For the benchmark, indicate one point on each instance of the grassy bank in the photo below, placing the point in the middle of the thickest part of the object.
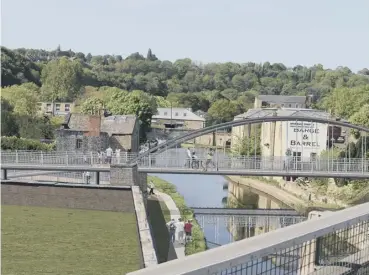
(158, 216)
(198, 240)
(41, 240)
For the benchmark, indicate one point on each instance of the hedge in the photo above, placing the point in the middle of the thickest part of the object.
(15, 143)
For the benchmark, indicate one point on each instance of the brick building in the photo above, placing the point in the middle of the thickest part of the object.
(86, 133)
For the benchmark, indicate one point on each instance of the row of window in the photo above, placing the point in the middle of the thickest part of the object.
(57, 107)
(175, 114)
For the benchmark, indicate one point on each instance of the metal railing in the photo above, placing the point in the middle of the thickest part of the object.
(336, 243)
(64, 158)
(180, 161)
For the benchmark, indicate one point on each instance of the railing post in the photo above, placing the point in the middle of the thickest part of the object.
(97, 179)
(92, 158)
(4, 174)
(16, 156)
(66, 158)
(42, 158)
(149, 160)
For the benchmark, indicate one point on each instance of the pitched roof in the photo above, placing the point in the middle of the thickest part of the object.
(267, 112)
(176, 114)
(120, 125)
(123, 125)
(278, 99)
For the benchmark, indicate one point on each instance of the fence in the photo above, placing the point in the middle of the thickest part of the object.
(334, 244)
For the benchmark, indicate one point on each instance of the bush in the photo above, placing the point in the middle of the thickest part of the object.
(14, 143)
(198, 239)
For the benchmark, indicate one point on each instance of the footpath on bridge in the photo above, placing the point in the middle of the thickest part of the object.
(174, 214)
(270, 190)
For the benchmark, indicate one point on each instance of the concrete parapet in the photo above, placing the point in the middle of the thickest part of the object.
(147, 245)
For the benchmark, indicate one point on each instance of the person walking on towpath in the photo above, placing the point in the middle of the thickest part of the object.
(151, 186)
(109, 153)
(180, 230)
(172, 230)
(188, 230)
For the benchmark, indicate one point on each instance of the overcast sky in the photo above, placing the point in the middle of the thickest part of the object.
(330, 32)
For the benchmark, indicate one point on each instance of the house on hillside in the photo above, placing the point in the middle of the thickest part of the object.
(55, 108)
(282, 101)
(180, 118)
(85, 133)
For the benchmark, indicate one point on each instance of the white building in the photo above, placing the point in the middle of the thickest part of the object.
(305, 140)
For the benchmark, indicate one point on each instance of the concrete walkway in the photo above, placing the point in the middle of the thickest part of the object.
(174, 214)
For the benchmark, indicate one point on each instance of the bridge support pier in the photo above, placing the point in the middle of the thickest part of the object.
(123, 174)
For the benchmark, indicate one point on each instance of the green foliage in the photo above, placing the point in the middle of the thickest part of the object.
(61, 80)
(346, 101)
(224, 110)
(361, 117)
(136, 102)
(248, 146)
(198, 238)
(9, 125)
(161, 102)
(15, 143)
(23, 98)
(92, 106)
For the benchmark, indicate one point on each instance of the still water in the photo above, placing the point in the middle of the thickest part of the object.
(216, 191)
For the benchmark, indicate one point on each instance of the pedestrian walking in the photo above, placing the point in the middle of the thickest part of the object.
(109, 153)
(151, 186)
(172, 230)
(188, 231)
(180, 231)
(117, 155)
(100, 157)
(87, 177)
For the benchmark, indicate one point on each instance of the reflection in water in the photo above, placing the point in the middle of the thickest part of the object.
(210, 191)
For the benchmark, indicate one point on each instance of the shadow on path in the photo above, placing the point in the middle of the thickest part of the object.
(164, 248)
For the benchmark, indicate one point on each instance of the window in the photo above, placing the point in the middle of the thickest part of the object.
(312, 156)
(57, 107)
(79, 143)
(184, 114)
(176, 114)
(297, 105)
(289, 105)
(165, 113)
(67, 107)
(48, 107)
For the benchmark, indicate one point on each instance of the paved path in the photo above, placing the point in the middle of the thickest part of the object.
(174, 214)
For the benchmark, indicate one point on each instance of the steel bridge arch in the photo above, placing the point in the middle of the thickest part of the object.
(197, 133)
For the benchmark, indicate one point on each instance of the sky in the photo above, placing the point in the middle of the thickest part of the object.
(294, 32)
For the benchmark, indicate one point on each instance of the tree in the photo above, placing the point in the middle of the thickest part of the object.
(61, 80)
(9, 126)
(345, 102)
(134, 103)
(92, 106)
(361, 117)
(248, 146)
(222, 111)
(23, 99)
(150, 56)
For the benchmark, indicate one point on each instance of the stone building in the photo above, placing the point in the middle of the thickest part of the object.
(177, 118)
(300, 139)
(281, 101)
(85, 133)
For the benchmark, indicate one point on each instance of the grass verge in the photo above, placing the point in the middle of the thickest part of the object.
(40, 240)
(198, 239)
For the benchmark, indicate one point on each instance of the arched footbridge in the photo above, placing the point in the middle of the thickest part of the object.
(169, 158)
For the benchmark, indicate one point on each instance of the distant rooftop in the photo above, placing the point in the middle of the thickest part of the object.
(279, 99)
(177, 114)
(268, 112)
(120, 125)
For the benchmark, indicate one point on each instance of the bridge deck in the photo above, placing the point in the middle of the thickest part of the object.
(244, 212)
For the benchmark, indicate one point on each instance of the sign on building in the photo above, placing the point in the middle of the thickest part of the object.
(306, 137)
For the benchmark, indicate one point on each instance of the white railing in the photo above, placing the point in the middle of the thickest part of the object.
(63, 158)
(179, 160)
(304, 248)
